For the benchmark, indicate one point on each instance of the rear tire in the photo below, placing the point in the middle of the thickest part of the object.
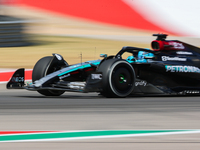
(118, 78)
(41, 69)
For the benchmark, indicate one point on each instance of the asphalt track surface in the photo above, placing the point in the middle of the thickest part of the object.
(27, 110)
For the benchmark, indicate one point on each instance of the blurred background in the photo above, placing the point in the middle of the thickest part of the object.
(31, 29)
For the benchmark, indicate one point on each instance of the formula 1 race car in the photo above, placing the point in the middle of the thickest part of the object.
(171, 67)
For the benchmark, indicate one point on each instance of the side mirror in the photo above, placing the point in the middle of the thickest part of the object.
(58, 56)
(60, 59)
(103, 55)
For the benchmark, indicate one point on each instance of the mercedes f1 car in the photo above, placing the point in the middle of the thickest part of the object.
(171, 67)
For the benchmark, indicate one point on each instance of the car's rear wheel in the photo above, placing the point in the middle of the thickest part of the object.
(41, 69)
(118, 78)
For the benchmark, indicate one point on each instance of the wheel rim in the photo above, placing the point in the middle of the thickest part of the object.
(122, 79)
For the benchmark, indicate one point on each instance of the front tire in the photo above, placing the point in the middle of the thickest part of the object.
(41, 69)
(118, 78)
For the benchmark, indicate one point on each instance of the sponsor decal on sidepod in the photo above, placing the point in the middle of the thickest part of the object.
(141, 83)
(182, 69)
(167, 58)
(96, 76)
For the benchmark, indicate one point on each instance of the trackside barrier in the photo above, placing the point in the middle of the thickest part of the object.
(11, 32)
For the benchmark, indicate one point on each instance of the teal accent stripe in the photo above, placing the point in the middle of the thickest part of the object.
(82, 134)
(96, 63)
(80, 67)
(74, 69)
(66, 72)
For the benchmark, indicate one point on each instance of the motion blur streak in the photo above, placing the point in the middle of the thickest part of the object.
(179, 16)
(113, 12)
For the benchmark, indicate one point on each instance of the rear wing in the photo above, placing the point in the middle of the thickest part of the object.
(17, 80)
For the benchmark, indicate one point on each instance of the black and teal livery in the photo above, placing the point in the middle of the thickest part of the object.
(171, 67)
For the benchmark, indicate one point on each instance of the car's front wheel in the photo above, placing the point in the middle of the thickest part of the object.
(118, 78)
(41, 69)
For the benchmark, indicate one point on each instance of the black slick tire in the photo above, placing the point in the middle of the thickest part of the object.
(118, 78)
(41, 69)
